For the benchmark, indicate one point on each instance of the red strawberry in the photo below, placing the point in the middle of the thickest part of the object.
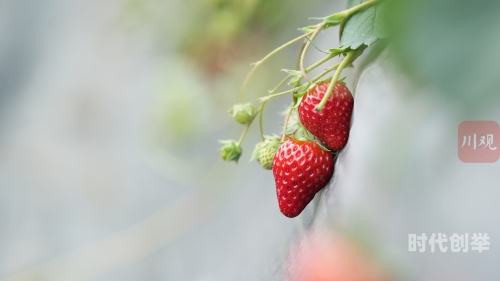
(331, 125)
(300, 169)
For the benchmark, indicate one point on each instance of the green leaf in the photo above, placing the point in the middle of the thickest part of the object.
(364, 27)
(451, 50)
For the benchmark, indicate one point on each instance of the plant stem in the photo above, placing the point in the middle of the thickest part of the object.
(257, 64)
(306, 47)
(286, 122)
(325, 72)
(309, 69)
(261, 127)
(335, 77)
(320, 62)
(280, 84)
(248, 125)
(269, 97)
(272, 96)
(355, 9)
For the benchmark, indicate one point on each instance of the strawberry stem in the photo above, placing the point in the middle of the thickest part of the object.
(272, 96)
(280, 84)
(325, 72)
(309, 69)
(306, 47)
(286, 122)
(355, 9)
(261, 127)
(257, 64)
(345, 62)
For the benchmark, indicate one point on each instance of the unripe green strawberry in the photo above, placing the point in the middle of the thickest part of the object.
(266, 156)
(264, 151)
(230, 150)
(242, 113)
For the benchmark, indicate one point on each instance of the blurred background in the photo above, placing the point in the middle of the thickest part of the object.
(110, 112)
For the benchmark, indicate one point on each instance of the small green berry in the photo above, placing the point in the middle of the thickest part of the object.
(230, 150)
(266, 156)
(242, 113)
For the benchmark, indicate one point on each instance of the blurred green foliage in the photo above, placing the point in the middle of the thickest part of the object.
(215, 33)
(451, 45)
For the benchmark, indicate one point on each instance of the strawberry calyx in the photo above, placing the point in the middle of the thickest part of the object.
(308, 137)
(269, 142)
(243, 113)
(230, 150)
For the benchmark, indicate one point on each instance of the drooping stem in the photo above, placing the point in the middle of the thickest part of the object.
(306, 47)
(257, 64)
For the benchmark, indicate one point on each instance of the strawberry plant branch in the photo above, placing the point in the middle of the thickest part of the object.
(329, 21)
(312, 31)
(309, 69)
(315, 79)
(281, 83)
(257, 64)
(306, 47)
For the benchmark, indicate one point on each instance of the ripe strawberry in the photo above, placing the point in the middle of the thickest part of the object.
(331, 125)
(300, 169)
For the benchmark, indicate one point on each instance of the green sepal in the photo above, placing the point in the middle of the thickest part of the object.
(255, 153)
(302, 89)
(242, 113)
(230, 150)
(297, 76)
(271, 141)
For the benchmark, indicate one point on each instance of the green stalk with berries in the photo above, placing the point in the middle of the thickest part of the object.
(317, 123)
